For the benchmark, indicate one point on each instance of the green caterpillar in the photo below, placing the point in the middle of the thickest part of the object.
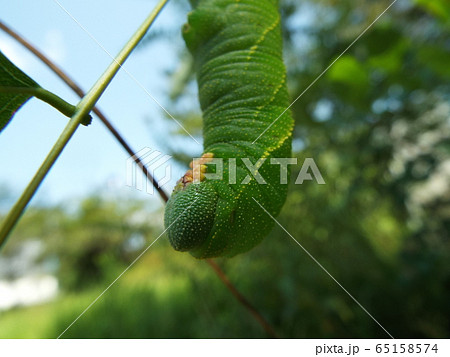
(237, 50)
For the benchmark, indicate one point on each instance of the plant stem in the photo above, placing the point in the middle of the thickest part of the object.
(82, 109)
(77, 89)
(50, 98)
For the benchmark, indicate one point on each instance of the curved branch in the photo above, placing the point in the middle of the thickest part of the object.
(83, 108)
(77, 89)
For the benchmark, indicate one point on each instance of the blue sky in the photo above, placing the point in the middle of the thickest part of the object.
(92, 161)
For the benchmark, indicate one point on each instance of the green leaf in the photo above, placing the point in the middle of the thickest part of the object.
(439, 8)
(16, 88)
(11, 76)
(349, 71)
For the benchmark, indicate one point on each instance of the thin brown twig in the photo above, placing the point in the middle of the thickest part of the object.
(242, 299)
(77, 89)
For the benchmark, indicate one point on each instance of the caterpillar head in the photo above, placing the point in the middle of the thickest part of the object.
(191, 210)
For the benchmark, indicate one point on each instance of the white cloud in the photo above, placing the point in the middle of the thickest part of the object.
(54, 46)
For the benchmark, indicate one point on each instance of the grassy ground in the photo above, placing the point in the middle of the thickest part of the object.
(38, 321)
(158, 298)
